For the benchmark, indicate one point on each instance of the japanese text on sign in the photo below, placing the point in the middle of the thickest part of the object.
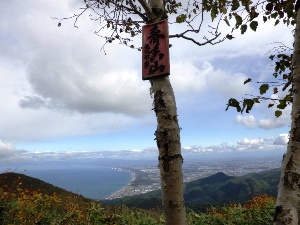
(155, 61)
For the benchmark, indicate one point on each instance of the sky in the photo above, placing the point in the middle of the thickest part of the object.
(61, 95)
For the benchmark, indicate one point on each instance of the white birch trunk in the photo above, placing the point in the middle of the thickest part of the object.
(170, 159)
(288, 199)
(167, 138)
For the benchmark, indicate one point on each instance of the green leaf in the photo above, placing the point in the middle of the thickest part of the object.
(238, 19)
(227, 21)
(234, 103)
(265, 19)
(276, 22)
(282, 104)
(278, 113)
(274, 15)
(181, 18)
(263, 88)
(256, 100)
(214, 11)
(269, 7)
(288, 98)
(223, 10)
(229, 36)
(253, 13)
(248, 104)
(281, 14)
(235, 5)
(247, 3)
(243, 28)
(253, 25)
(278, 6)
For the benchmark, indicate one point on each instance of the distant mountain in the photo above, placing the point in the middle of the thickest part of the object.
(217, 189)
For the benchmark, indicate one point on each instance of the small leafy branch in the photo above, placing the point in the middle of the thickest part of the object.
(124, 18)
(280, 11)
(282, 73)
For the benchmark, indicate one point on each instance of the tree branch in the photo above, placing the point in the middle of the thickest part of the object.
(146, 7)
(208, 41)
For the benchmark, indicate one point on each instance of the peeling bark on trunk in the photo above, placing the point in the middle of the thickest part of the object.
(170, 158)
(167, 136)
(288, 200)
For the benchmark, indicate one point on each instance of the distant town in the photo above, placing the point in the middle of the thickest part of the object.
(146, 173)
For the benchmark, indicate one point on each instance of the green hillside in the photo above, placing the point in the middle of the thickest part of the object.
(11, 182)
(218, 189)
(26, 201)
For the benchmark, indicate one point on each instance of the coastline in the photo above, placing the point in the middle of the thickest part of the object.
(127, 188)
(140, 183)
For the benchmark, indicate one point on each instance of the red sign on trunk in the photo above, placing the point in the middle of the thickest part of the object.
(155, 51)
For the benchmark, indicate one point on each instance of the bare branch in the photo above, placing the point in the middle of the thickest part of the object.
(76, 16)
(287, 84)
(208, 41)
(134, 10)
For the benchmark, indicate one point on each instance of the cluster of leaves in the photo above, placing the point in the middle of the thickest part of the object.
(122, 18)
(283, 75)
(245, 13)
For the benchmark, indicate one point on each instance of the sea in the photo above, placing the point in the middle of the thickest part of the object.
(86, 178)
(100, 178)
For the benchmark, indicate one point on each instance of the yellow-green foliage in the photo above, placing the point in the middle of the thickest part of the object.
(23, 206)
(259, 211)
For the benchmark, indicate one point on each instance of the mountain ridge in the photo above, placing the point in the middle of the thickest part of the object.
(217, 189)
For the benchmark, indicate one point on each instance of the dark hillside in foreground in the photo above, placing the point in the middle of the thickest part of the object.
(26, 200)
(217, 189)
(11, 182)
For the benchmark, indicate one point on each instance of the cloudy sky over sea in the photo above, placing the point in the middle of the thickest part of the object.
(61, 95)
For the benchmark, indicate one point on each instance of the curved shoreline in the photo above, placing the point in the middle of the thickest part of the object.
(120, 193)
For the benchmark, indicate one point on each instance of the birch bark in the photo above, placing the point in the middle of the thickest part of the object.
(288, 199)
(167, 138)
(170, 159)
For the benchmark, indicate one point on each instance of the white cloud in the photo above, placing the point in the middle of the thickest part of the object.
(55, 82)
(189, 77)
(67, 71)
(251, 144)
(269, 122)
(246, 144)
(281, 140)
(8, 151)
(248, 120)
